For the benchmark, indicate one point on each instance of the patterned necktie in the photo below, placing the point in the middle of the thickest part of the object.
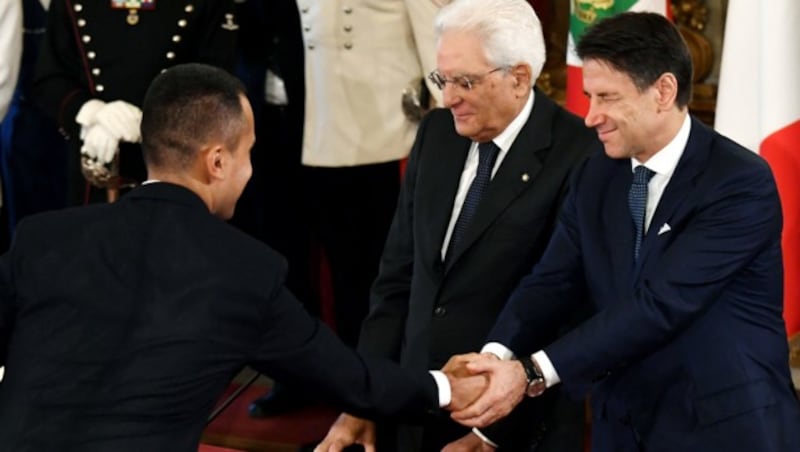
(637, 201)
(487, 155)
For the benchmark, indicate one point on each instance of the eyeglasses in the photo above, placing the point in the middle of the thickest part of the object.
(465, 82)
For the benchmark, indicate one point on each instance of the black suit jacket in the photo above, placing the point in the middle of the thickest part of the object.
(123, 323)
(422, 312)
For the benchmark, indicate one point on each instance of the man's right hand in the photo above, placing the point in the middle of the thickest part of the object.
(346, 431)
(465, 385)
(465, 390)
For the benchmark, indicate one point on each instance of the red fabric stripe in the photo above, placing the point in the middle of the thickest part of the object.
(780, 150)
(207, 448)
(80, 46)
(576, 100)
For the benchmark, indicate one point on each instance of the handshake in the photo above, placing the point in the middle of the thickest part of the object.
(483, 390)
(105, 125)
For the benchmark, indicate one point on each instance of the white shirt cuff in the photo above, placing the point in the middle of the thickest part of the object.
(445, 393)
(499, 350)
(484, 438)
(549, 373)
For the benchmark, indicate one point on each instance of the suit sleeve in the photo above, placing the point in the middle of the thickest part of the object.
(737, 219)
(553, 290)
(530, 420)
(382, 330)
(60, 84)
(299, 351)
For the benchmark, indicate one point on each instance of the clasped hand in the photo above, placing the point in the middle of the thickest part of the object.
(505, 389)
(483, 390)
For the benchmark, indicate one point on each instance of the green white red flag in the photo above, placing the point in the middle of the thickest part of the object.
(583, 14)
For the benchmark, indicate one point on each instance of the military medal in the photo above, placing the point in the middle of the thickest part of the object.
(133, 7)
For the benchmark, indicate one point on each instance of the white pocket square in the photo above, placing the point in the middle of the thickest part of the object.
(664, 229)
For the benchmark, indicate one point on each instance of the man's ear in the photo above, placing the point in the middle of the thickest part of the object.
(522, 79)
(213, 161)
(666, 91)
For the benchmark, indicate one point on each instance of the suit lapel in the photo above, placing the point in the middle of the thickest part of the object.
(680, 185)
(445, 165)
(516, 173)
(617, 222)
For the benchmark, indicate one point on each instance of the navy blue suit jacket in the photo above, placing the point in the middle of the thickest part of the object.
(687, 349)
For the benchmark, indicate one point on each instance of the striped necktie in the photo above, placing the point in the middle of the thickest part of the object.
(487, 156)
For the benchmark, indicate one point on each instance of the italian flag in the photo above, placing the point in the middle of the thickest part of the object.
(584, 13)
(758, 106)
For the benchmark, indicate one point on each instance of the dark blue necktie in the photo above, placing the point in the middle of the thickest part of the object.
(487, 155)
(637, 201)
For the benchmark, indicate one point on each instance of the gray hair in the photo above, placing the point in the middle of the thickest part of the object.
(509, 30)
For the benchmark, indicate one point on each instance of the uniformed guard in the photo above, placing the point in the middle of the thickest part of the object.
(98, 58)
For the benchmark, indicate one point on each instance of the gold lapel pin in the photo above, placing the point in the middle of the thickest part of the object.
(525, 177)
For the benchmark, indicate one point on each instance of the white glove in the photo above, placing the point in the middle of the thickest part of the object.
(87, 113)
(121, 119)
(99, 143)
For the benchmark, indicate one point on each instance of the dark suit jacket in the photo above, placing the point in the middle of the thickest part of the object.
(127, 321)
(423, 313)
(687, 348)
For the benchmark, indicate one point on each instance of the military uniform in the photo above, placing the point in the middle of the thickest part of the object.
(111, 50)
(359, 57)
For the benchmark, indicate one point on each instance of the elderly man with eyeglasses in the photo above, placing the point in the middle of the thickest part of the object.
(478, 204)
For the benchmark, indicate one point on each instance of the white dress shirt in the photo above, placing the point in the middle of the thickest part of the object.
(502, 141)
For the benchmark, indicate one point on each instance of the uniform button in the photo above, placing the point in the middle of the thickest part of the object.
(78, 7)
(189, 8)
(100, 88)
(440, 311)
(307, 29)
(81, 22)
(182, 23)
(348, 28)
(163, 70)
(86, 39)
(304, 9)
(90, 54)
(348, 10)
(348, 45)
(96, 71)
(176, 38)
(311, 46)
(170, 55)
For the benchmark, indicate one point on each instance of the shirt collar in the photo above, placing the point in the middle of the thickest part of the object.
(507, 136)
(664, 161)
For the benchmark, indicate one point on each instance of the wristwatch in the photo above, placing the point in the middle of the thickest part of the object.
(536, 383)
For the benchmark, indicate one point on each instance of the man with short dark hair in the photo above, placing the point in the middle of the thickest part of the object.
(672, 238)
(121, 324)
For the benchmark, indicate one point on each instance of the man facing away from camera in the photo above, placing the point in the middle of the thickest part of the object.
(121, 324)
